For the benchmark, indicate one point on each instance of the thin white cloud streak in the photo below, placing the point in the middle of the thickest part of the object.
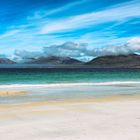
(43, 13)
(9, 33)
(66, 7)
(115, 13)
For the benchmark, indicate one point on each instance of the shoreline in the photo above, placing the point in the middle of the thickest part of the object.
(65, 84)
(101, 99)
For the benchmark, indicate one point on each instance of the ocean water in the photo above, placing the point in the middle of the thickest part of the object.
(42, 76)
(61, 84)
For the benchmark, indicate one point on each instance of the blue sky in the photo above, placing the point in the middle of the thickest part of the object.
(32, 25)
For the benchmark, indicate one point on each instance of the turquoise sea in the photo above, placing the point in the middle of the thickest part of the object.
(49, 76)
(60, 84)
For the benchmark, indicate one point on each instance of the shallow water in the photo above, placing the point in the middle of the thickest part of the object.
(47, 76)
(44, 85)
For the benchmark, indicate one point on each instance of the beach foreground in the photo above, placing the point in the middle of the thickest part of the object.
(108, 118)
(6, 93)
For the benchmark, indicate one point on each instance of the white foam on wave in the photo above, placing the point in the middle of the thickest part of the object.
(72, 84)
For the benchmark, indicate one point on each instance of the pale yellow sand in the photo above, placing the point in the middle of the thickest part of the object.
(12, 92)
(109, 118)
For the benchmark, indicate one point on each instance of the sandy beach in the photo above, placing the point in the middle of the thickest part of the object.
(108, 118)
(6, 93)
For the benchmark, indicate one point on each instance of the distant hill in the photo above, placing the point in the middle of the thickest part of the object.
(55, 60)
(6, 61)
(120, 61)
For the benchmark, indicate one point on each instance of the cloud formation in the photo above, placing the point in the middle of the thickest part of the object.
(130, 47)
(60, 21)
(81, 50)
(42, 14)
(68, 49)
(9, 33)
(23, 55)
(3, 56)
(116, 13)
(134, 44)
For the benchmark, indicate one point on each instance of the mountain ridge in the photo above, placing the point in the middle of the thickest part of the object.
(118, 61)
(55, 60)
(6, 61)
(109, 61)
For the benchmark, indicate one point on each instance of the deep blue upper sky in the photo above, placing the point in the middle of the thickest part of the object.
(32, 24)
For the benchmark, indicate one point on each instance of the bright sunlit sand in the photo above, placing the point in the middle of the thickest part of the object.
(104, 118)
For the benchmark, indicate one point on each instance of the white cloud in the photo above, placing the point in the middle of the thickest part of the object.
(27, 54)
(68, 49)
(9, 33)
(68, 6)
(23, 55)
(80, 50)
(43, 13)
(130, 47)
(116, 13)
(134, 44)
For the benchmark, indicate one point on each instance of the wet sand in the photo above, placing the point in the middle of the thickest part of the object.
(5, 93)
